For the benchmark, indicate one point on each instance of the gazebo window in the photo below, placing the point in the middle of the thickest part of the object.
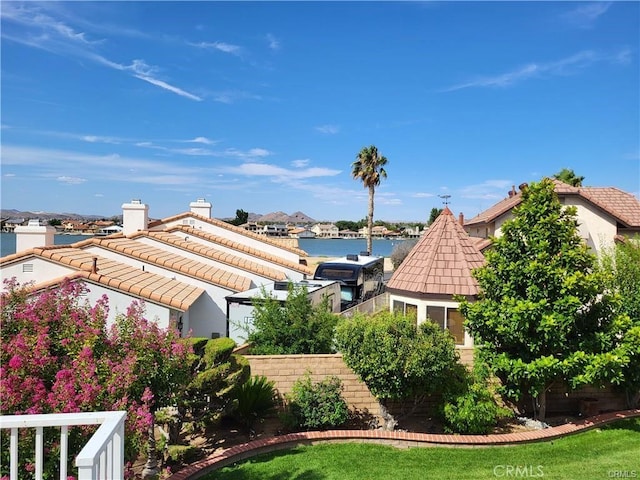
(408, 309)
(449, 318)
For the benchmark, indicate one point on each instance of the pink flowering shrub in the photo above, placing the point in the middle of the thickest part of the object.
(57, 355)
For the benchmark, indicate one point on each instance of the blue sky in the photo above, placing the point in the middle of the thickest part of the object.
(263, 106)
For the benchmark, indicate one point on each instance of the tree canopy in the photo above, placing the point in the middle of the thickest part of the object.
(296, 327)
(544, 313)
(568, 176)
(369, 168)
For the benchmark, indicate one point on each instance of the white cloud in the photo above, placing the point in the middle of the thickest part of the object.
(71, 180)
(203, 140)
(251, 153)
(221, 46)
(565, 66)
(230, 96)
(300, 163)
(328, 129)
(423, 195)
(280, 173)
(9, 175)
(274, 44)
(585, 16)
(47, 33)
(99, 195)
(489, 189)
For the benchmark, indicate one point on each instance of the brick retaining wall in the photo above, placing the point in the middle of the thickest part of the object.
(284, 370)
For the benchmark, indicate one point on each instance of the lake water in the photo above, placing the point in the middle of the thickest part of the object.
(315, 247)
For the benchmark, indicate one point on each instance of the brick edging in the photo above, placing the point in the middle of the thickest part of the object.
(243, 451)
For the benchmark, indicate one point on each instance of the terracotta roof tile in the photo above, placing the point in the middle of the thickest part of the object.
(202, 270)
(441, 262)
(118, 276)
(169, 236)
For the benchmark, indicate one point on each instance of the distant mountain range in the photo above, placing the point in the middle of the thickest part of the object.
(274, 217)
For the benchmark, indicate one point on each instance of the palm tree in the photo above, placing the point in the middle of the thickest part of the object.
(368, 167)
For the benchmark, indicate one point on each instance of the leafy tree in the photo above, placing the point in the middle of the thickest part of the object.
(241, 218)
(568, 176)
(57, 355)
(347, 225)
(401, 250)
(55, 222)
(543, 314)
(435, 212)
(297, 327)
(369, 168)
(396, 359)
(621, 266)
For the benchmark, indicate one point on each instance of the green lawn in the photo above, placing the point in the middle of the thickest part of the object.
(612, 451)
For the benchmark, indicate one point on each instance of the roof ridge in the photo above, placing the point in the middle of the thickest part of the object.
(230, 227)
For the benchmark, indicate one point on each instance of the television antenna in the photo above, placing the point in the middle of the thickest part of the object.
(446, 199)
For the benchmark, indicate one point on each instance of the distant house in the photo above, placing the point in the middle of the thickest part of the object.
(438, 268)
(301, 232)
(348, 234)
(325, 230)
(274, 230)
(10, 224)
(412, 231)
(378, 231)
(603, 213)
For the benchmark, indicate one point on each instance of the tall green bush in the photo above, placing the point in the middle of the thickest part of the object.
(318, 405)
(298, 327)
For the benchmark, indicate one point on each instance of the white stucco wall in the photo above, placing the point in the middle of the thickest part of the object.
(42, 270)
(119, 302)
(597, 228)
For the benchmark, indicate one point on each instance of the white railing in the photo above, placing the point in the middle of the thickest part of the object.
(102, 458)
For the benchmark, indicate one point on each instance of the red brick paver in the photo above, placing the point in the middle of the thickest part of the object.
(236, 453)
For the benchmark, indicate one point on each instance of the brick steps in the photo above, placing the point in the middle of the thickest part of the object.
(397, 438)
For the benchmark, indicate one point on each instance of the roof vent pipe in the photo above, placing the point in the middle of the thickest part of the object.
(94, 266)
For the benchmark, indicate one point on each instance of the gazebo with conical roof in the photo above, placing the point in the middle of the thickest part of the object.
(435, 270)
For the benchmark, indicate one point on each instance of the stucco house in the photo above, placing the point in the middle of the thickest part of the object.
(436, 269)
(191, 249)
(325, 230)
(603, 213)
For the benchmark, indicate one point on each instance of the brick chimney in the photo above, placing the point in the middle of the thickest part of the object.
(135, 216)
(33, 235)
(461, 219)
(201, 207)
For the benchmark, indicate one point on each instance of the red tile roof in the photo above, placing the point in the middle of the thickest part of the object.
(440, 263)
(204, 270)
(240, 247)
(623, 206)
(118, 276)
